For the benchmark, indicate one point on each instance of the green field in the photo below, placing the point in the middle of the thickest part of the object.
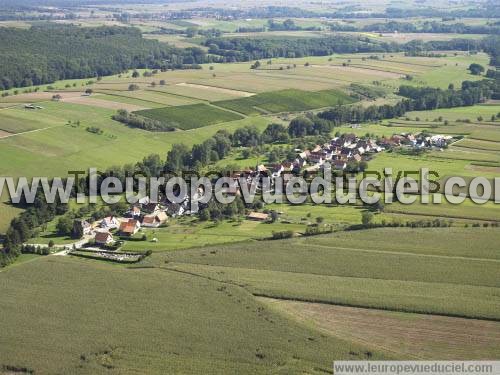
(367, 269)
(285, 101)
(128, 321)
(190, 116)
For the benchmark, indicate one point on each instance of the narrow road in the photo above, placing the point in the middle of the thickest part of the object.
(29, 131)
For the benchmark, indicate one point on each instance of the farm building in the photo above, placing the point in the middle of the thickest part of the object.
(103, 238)
(257, 216)
(129, 227)
(154, 220)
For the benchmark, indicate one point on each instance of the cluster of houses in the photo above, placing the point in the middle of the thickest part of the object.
(143, 214)
(339, 152)
(420, 141)
(349, 148)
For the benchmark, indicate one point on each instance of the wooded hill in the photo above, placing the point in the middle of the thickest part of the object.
(44, 54)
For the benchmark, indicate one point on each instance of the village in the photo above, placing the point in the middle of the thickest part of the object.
(346, 153)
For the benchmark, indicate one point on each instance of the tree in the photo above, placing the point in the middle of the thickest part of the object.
(246, 136)
(246, 153)
(89, 91)
(135, 74)
(275, 133)
(133, 87)
(77, 230)
(222, 143)
(380, 206)
(319, 220)
(204, 215)
(273, 156)
(255, 65)
(300, 127)
(366, 218)
(191, 32)
(51, 244)
(178, 157)
(476, 69)
(64, 225)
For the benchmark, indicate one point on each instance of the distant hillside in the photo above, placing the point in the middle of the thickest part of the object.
(76, 3)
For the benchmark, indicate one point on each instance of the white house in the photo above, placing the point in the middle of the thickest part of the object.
(109, 223)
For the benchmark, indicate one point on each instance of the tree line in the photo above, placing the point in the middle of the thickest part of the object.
(22, 227)
(417, 99)
(425, 27)
(141, 122)
(246, 49)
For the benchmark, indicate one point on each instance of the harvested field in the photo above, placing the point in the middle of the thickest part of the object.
(416, 336)
(218, 89)
(366, 71)
(254, 82)
(108, 104)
